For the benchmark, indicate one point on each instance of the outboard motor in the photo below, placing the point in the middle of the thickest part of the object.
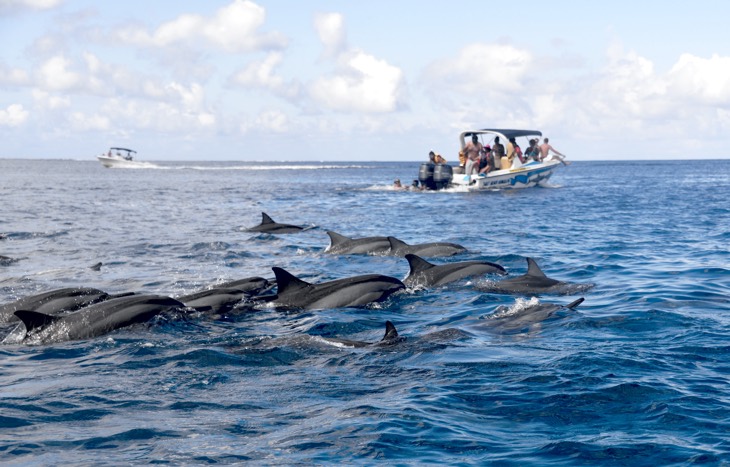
(442, 175)
(425, 175)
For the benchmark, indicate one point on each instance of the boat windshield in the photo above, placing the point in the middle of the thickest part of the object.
(122, 152)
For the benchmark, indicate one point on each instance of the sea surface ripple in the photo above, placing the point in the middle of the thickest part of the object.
(636, 375)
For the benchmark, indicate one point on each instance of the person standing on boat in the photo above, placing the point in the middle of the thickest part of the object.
(511, 153)
(472, 151)
(545, 149)
(497, 153)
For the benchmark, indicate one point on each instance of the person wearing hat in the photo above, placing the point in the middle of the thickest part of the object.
(438, 159)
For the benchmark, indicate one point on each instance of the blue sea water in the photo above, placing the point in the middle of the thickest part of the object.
(639, 374)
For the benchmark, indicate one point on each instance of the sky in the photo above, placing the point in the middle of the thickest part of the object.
(323, 80)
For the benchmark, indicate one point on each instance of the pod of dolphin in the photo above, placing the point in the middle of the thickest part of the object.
(81, 313)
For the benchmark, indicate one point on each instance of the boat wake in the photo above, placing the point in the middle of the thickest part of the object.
(547, 184)
(258, 167)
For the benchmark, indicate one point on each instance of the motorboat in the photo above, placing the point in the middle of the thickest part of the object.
(120, 158)
(519, 175)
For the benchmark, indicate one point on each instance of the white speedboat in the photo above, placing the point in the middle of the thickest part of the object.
(519, 175)
(120, 158)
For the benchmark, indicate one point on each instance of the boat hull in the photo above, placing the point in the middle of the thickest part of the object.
(120, 162)
(526, 176)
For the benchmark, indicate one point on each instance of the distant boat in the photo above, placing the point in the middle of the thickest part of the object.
(120, 158)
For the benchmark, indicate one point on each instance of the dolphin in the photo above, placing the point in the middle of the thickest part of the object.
(428, 275)
(6, 260)
(218, 300)
(391, 337)
(341, 245)
(525, 317)
(94, 320)
(249, 285)
(268, 225)
(534, 282)
(401, 248)
(96, 267)
(53, 302)
(349, 292)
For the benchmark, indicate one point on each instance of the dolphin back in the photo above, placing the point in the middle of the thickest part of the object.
(287, 282)
(34, 320)
(336, 239)
(533, 269)
(417, 264)
(397, 245)
(390, 332)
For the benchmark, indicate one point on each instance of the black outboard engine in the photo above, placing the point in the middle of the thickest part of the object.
(442, 174)
(425, 175)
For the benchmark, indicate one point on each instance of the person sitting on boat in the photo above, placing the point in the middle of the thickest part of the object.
(439, 159)
(545, 155)
(497, 153)
(532, 152)
(485, 161)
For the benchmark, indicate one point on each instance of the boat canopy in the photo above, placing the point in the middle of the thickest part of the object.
(123, 149)
(506, 133)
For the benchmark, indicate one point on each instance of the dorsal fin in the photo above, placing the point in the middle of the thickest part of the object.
(417, 264)
(533, 269)
(390, 331)
(395, 243)
(287, 281)
(265, 219)
(574, 304)
(33, 319)
(336, 239)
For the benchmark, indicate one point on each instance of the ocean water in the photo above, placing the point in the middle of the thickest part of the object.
(638, 374)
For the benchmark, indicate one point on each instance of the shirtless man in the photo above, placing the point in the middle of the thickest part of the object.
(472, 151)
(545, 149)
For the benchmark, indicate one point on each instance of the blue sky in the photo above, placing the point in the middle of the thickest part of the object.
(376, 80)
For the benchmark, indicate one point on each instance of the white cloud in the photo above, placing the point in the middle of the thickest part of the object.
(331, 31)
(49, 101)
(11, 5)
(54, 74)
(13, 76)
(480, 68)
(14, 115)
(363, 84)
(273, 120)
(261, 74)
(233, 28)
(706, 80)
(79, 121)
(192, 103)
